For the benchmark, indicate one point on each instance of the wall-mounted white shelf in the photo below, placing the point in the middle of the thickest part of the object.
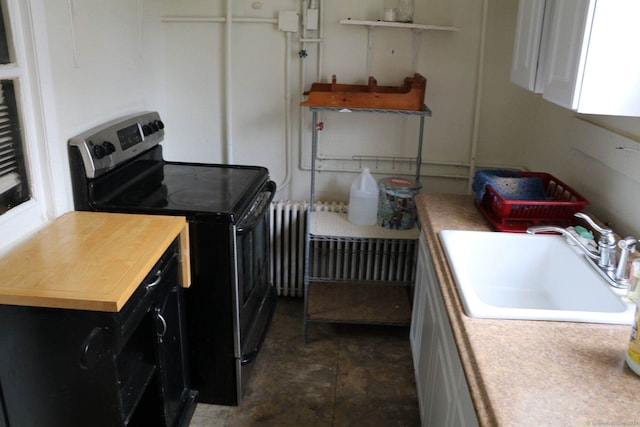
(416, 30)
(411, 26)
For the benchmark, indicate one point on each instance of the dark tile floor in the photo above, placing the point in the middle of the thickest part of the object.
(346, 375)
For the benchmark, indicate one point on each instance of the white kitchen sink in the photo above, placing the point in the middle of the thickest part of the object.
(535, 277)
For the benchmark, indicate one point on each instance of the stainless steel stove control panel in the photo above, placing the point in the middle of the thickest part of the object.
(106, 146)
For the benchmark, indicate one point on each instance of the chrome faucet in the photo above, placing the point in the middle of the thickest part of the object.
(606, 256)
(627, 246)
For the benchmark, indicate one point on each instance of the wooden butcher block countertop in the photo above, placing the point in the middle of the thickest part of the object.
(90, 260)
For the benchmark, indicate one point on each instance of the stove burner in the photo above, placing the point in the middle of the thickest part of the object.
(198, 198)
(200, 174)
(156, 198)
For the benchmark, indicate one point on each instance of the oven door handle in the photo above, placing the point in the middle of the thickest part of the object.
(256, 217)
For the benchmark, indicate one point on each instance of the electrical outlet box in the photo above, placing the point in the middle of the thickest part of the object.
(288, 21)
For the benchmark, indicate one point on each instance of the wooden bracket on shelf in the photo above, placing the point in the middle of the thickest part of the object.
(409, 96)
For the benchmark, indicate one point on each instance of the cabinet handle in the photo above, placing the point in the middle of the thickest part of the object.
(163, 323)
(155, 282)
(160, 272)
(93, 348)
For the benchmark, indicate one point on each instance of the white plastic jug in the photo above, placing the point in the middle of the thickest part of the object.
(363, 199)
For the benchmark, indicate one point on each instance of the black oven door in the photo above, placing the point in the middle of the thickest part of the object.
(256, 297)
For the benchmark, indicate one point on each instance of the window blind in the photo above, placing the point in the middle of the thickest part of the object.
(14, 188)
(14, 185)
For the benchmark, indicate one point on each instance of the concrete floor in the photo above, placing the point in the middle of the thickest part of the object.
(346, 375)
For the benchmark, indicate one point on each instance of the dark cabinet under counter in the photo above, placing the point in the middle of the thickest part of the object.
(61, 367)
(68, 367)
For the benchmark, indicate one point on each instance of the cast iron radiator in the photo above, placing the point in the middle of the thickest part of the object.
(334, 259)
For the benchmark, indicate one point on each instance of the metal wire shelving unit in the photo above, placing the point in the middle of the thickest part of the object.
(356, 274)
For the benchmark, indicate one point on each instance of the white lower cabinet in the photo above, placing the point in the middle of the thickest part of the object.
(443, 393)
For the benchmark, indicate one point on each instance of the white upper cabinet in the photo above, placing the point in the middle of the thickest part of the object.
(587, 54)
(528, 45)
(566, 51)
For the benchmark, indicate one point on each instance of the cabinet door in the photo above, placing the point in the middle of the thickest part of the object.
(463, 414)
(436, 374)
(442, 388)
(567, 51)
(611, 82)
(172, 360)
(422, 329)
(417, 311)
(528, 45)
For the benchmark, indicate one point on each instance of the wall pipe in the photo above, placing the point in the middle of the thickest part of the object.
(287, 112)
(478, 100)
(228, 128)
(71, 6)
(395, 172)
(140, 28)
(321, 37)
(301, 81)
(371, 31)
(415, 49)
(408, 160)
(313, 4)
(218, 19)
(317, 4)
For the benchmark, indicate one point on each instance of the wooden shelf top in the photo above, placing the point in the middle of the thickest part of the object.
(89, 260)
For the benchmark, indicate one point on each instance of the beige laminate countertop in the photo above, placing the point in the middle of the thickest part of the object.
(90, 260)
(531, 373)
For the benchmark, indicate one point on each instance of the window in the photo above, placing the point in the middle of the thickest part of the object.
(27, 180)
(14, 185)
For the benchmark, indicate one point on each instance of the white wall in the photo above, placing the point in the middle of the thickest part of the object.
(507, 112)
(124, 58)
(128, 56)
(196, 77)
(585, 156)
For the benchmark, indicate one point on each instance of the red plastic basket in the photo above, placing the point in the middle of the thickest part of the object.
(518, 215)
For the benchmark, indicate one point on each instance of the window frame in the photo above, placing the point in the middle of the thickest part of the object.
(27, 71)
